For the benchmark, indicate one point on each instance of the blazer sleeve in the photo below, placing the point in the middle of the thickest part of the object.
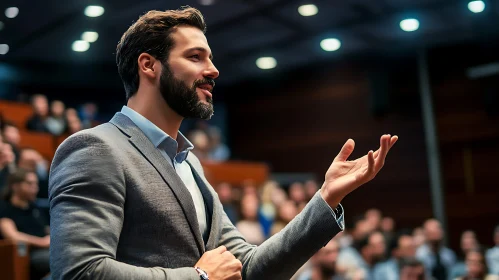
(87, 194)
(284, 253)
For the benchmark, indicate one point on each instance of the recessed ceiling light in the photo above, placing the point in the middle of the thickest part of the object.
(90, 36)
(409, 25)
(4, 49)
(266, 62)
(94, 11)
(308, 10)
(476, 6)
(330, 44)
(11, 12)
(206, 2)
(80, 46)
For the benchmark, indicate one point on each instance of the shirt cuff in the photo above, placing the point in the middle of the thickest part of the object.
(337, 214)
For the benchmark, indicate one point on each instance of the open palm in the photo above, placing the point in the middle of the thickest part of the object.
(344, 176)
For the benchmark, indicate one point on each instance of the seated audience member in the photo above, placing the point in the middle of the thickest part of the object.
(224, 191)
(11, 135)
(285, 213)
(32, 160)
(88, 112)
(73, 121)
(249, 226)
(40, 113)
(387, 226)
(7, 163)
(419, 237)
(297, 193)
(218, 151)
(400, 248)
(438, 259)
(412, 269)
(322, 266)
(476, 267)
(268, 211)
(311, 188)
(201, 143)
(373, 218)
(22, 221)
(363, 256)
(493, 254)
(56, 122)
(468, 242)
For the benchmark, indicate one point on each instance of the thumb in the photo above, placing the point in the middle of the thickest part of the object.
(346, 150)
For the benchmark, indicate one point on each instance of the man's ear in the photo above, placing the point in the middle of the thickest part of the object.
(148, 66)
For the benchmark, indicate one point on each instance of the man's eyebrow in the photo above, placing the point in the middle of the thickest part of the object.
(201, 49)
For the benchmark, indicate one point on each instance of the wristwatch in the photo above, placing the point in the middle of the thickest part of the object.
(202, 274)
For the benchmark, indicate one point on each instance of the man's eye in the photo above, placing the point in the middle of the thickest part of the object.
(196, 56)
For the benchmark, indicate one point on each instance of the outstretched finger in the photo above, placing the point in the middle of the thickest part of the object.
(346, 150)
(393, 140)
(384, 143)
(370, 160)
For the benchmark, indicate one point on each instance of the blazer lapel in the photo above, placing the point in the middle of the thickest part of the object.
(213, 208)
(138, 139)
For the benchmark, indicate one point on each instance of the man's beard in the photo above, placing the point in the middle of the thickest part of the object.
(182, 99)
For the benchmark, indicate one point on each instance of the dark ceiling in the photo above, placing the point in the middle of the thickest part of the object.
(239, 31)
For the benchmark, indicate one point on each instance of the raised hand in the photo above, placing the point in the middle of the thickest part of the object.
(344, 176)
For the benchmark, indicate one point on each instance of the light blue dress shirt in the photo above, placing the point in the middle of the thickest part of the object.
(168, 148)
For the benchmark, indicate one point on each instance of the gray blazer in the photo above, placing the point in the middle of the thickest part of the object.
(120, 211)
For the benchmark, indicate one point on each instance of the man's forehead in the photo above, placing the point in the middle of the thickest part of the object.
(189, 36)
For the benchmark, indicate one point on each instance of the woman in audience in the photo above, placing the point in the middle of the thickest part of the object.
(56, 123)
(22, 222)
(249, 226)
(287, 211)
(476, 267)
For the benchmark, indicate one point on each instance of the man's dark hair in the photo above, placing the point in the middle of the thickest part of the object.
(151, 34)
(16, 177)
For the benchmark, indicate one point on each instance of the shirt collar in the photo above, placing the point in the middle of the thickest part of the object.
(158, 137)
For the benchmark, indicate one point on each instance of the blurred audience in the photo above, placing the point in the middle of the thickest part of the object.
(56, 123)
(23, 222)
(32, 160)
(400, 248)
(412, 269)
(286, 212)
(493, 254)
(438, 259)
(40, 113)
(218, 151)
(224, 191)
(88, 113)
(322, 266)
(476, 267)
(249, 226)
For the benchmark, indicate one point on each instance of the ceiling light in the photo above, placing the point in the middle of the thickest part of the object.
(80, 46)
(330, 44)
(1, 25)
(4, 48)
(11, 12)
(206, 2)
(476, 6)
(266, 63)
(409, 25)
(90, 36)
(94, 11)
(308, 10)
